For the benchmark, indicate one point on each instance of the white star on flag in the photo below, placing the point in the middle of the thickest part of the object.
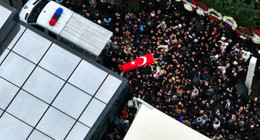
(142, 61)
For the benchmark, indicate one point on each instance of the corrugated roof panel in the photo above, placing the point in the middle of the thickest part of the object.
(86, 34)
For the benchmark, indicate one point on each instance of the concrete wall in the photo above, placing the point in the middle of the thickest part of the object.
(250, 73)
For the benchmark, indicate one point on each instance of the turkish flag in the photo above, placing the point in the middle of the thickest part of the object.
(137, 63)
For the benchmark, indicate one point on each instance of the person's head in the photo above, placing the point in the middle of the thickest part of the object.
(163, 23)
(97, 14)
(228, 100)
(227, 114)
(116, 29)
(99, 22)
(255, 99)
(201, 112)
(211, 101)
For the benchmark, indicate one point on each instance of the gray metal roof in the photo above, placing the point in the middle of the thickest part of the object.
(49, 91)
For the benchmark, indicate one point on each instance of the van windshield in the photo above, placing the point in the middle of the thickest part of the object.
(36, 11)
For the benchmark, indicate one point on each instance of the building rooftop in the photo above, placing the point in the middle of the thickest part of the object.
(49, 91)
(159, 126)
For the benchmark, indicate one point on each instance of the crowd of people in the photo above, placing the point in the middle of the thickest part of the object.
(198, 63)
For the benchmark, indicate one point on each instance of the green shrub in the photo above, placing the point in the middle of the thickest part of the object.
(245, 12)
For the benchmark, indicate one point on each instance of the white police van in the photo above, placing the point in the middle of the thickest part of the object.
(69, 28)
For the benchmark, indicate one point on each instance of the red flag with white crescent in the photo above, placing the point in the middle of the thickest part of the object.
(137, 63)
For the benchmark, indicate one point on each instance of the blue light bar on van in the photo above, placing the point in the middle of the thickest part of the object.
(56, 16)
(59, 11)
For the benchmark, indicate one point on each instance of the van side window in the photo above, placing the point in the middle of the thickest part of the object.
(38, 27)
(51, 34)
